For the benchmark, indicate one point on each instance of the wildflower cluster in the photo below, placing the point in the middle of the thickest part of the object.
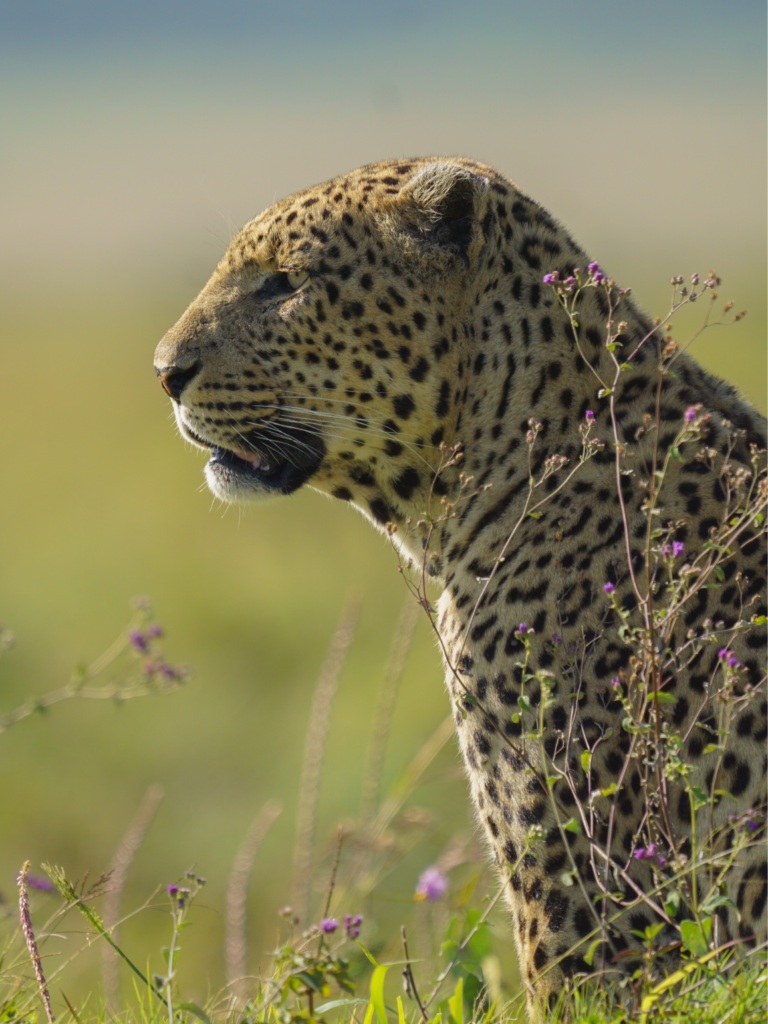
(133, 666)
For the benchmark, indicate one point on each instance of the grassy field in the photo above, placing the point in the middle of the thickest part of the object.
(136, 140)
(105, 504)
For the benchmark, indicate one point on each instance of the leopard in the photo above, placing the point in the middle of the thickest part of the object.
(391, 338)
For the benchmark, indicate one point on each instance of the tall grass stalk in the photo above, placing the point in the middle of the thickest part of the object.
(235, 938)
(314, 749)
(121, 862)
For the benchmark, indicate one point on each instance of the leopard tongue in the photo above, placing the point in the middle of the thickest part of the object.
(253, 459)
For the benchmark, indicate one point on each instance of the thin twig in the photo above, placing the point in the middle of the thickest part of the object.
(408, 975)
(331, 885)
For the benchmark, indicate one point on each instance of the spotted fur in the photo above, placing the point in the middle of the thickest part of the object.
(352, 329)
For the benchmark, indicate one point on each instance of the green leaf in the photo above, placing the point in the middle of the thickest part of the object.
(370, 955)
(523, 703)
(377, 993)
(195, 1010)
(335, 1004)
(719, 901)
(572, 825)
(592, 950)
(694, 939)
(700, 798)
(609, 791)
(586, 757)
(672, 902)
(662, 697)
(674, 451)
(604, 392)
(760, 620)
(400, 1011)
(456, 1003)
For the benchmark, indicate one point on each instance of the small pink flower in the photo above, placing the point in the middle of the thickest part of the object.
(678, 548)
(329, 924)
(432, 885)
(723, 653)
(589, 416)
(608, 588)
(690, 414)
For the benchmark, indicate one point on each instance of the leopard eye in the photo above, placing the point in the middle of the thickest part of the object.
(297, 278)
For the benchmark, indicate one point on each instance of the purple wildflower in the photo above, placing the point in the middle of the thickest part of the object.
(556, 638)
(723, 653)
(678, 549)
(615, 681)
(589, 416)
(155, 630)
(690, 414)
(432, 885)
(733, 661)
(137, 640)
(646, 854)
(523, 627)
(40, 883)
(548, 279)
(173, 890)
(608, 588)
(599, 277)
(594, 268)
(329, 924)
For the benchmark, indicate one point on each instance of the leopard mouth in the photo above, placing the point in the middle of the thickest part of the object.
(237, 475)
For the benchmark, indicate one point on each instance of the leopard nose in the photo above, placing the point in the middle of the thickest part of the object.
(174, 379)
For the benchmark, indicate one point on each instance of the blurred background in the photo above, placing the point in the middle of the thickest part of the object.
(135, 139)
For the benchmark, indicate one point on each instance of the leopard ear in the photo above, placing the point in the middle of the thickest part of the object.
(446, 203)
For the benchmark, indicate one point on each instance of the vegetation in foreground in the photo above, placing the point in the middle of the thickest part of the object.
(325, 965)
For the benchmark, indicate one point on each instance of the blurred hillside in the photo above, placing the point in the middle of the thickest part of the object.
(136, 140)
